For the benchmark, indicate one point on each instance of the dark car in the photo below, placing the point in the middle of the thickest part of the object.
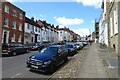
(71, 48)
(79, 45)
(61, 43)
(13, 49)
(48, 59)
(36, 46)
(30, 45)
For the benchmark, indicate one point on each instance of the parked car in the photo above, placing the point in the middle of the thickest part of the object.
(13, 49)
(29, 45)
(48, 59)
(43, 45)
(36, 46)
(78, 46)
(71, 48)
(61, 43)
(85, 43)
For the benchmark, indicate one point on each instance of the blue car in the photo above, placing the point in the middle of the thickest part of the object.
(48, 59)
(71, 48)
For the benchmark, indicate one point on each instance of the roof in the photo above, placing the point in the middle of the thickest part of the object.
(40, 23)
(6, 2)
(31, 22)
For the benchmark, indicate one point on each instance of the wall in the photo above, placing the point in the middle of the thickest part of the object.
(11, 18)
(119, 29)
(114, 38)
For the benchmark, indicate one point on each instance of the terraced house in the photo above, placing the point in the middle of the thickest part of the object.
(32, 31)
(111, 21)
(18, 28)
(13, 19)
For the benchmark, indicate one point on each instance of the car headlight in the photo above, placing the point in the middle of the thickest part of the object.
(72, 49)
(47, 62)
(39, 63)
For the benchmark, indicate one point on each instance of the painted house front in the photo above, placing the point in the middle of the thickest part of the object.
(32, 31)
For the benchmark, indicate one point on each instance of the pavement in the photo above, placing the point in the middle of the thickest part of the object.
(92, 66)
(92, 61)
(110, 60)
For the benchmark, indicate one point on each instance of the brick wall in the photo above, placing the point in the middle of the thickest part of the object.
(10, 16)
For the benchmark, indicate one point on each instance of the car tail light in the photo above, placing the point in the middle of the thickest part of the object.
(9, 49)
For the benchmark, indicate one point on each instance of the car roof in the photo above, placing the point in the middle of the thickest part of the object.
(69, 44)
(54, 46)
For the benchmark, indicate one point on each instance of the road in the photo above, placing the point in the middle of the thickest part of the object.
(15, 67)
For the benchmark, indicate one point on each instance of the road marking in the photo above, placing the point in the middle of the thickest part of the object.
(15, 75)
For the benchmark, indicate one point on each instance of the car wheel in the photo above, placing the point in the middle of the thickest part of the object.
(14, 53)
(66, 59)
(27, 50)
(52, 68)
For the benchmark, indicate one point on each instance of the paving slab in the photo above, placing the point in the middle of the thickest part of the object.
(93, 65)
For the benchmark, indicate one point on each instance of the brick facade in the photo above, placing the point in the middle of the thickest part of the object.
(12, 18)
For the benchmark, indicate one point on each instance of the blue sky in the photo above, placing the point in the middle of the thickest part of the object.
(79, 17)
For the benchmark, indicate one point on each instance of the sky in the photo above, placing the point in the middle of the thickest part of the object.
(78, 15)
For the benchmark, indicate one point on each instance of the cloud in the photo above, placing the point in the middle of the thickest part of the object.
(42, 17)
(68, 21)
(10, 0)
(93, 21)
(94, 3)
(82, 32)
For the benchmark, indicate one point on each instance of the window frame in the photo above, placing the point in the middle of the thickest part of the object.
(7, 9)
(5, 22)
(14, 11)
(111, 26)
(14, 25)
(20, 26)
(115, 20)
(20, 16)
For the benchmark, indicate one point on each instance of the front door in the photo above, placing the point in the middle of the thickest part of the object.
(36, 35)
(5, 37)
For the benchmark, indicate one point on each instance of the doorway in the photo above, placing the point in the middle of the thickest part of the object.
(5, 37)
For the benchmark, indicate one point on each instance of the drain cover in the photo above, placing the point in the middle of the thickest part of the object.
(114, 63)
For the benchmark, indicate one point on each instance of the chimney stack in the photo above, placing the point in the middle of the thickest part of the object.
(32, 18)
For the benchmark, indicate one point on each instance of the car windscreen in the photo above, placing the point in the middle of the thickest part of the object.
(37, 44)
(50, 50)
(68, 46)
(77, 44)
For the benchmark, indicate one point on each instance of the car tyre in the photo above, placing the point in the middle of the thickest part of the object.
(52, 68)
(66, 59)
(27, 50)
(14, 53)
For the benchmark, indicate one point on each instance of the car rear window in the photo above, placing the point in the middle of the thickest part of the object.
(4, 46)
(13, 45)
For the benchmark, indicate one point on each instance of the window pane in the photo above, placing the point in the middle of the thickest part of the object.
(20, 16)
(6, 21)
(14, 13)
(6, 9)
(20, 26)
(14, 24)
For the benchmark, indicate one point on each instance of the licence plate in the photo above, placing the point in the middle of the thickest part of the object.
(4, 50)
(34, 66)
